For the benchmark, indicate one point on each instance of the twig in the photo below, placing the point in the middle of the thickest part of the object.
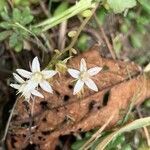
(8, 123)
(10, 3)
(133, 99)
(144, 128)
(95, 35)
(14, 58)
(62, 32)
(47, 42)
(46, 12)
(106, 39)
(74, 39)
(95, 136)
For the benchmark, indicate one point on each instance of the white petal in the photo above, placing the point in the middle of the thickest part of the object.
(83, 65)
(35, 65)
(74, 73)
(36, 93)
(46, 86)
(18, 78)
(15, 86)
(91, 85)
(24, 73)
(27, 95)
(93, 71)
(78, 87)
(48, 73)
(30, 85)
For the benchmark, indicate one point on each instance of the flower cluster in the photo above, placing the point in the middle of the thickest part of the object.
(28, 82)
(34, 79)
(83, 77)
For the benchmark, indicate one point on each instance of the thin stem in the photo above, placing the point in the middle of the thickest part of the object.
(144, 128)
(106, 39)
(34, 35)
(72, 11)
(74, 39)
(8, 122)
(97, 135)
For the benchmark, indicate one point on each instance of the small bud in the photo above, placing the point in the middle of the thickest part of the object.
(72, 33)
(56, 51)
(61, 67)
(73, 51)
(106, 5)
(87, 13)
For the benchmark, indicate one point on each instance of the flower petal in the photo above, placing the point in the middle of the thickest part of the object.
(78, 87)
(46, 86)
(37, 93)
(91, 85)
(24, 73)
(74, 73)
(83, 65)
(35, 65)
(30, 85)
(15, 86)
(18, 78)
(93, 71)
(48, 73)
(26, 95)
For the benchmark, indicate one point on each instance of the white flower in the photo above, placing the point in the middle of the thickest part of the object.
(38, 77)
(25, 87)
(83, 77)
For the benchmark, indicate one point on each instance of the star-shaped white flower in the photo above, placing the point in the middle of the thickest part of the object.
(83, 77)
(25, 87)
(38, 77)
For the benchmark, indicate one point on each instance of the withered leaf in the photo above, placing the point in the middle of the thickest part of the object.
(63, 113)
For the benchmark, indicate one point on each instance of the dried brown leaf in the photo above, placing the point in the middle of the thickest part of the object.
(63, 113)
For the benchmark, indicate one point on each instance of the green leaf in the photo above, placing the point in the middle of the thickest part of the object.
(17, 15)
(124, 28)
(101, 15)
(117, 44)
(119, 140)
(25, 2)
(79, 143)
(2, 4)
(139, 123)
(5, 16)
(61, 8)
(127, 147)
(82, 42)
(19, 46)
(146, 5)
(4, 35)
(13, 40)
(136, 40)
(26, 16)
(19, 2)
(147, 103)
(5, 25)
(143, 20)
(36, 31)
(119, 6)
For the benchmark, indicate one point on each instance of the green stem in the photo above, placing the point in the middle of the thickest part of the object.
(73, 42)
(72, 11)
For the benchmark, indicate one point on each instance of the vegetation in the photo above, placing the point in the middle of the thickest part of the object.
(55, 31)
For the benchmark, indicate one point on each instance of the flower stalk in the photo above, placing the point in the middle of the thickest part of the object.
(72, 11)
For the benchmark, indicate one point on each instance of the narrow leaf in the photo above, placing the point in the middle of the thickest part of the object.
(139, 123)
